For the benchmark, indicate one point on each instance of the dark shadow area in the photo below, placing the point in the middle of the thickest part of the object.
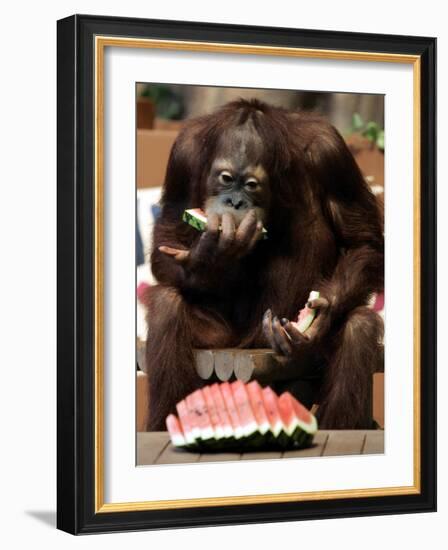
(45, 516)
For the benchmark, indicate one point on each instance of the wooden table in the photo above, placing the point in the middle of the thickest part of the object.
(155, 448)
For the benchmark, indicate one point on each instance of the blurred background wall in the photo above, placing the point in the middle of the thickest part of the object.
(177, 102)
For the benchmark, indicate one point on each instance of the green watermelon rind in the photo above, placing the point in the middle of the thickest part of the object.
(194, 220)
(298, 439)
(305, 324)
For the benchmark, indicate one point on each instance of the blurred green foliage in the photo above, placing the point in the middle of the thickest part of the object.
(370, 130)
(168, 103)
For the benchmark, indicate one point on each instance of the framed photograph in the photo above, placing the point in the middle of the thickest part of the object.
(246, 274)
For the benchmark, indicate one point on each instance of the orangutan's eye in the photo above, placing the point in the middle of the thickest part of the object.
(251, 184)
(226, 177)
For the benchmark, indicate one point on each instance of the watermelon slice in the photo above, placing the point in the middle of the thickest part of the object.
(256, 400)
(272, 412)
(200, 414)
(218, 428)
(245, 413)
(298, 422)
(184, 418)
(175, 430)
(196, 430)
(240, 417)
(196, 218)
(230, 405)
(306, 421)
(306, 315)
(221, 409)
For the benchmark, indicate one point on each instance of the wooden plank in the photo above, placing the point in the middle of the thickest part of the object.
(141, 354)
(378, 398)
(259, 455)
(344, 442)
(374, 443)
(142, 404)
(171, 455)
(150, 445)
(219, 457)
(316, 449)
(155, 448)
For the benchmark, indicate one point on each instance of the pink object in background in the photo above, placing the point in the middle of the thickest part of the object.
(379, 302)
(141, 291)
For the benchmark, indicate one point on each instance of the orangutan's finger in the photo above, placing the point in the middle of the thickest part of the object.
(318, 303)
(294, 334)
(180, 256)
(280, 337)
(267, 330)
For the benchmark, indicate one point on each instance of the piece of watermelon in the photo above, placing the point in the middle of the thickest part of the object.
(254, 432)
(305, 419)
(306, 315)
(298, 422)
(175, 430)
(272, 412)
(256, 400)
(227, 395)
(240, 417)
(200, 415)
(196, 218)
(213, 413)
(196, 430)
(244, 408)
(184, 418)
(221, 409)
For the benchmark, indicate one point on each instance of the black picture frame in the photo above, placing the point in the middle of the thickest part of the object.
(76, 512)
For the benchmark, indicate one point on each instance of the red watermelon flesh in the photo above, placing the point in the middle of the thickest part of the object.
(287, 413)
(221, 410)
(184, 418)
(192, 417)
(175, 430)
(201, 416)
(212, 412)
(306, 420)
(295, 415)
(245, 413)
(272, 412)
(256, 399)
(226, 393)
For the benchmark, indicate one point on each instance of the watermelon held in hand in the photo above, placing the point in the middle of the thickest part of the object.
(240, 417)
(306, 315)
(197, 218)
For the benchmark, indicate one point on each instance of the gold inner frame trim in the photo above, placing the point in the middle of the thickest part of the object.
(101, 42)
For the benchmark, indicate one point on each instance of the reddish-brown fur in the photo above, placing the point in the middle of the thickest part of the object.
(324, 233)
